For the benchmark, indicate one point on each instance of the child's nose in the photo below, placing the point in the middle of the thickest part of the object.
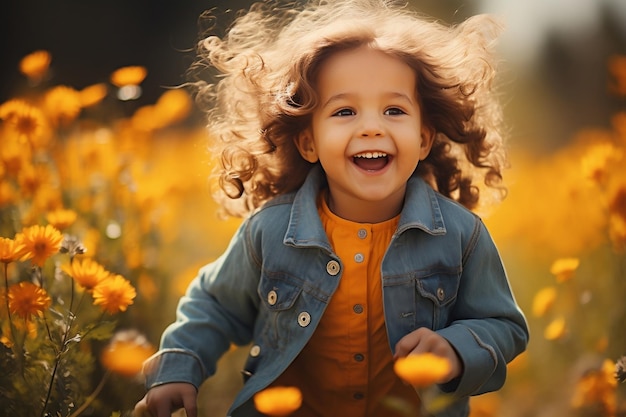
(371, 127)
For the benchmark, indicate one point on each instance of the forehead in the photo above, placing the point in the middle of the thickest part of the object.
(365, 69)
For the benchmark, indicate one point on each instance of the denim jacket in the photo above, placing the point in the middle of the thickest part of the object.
(271, 286)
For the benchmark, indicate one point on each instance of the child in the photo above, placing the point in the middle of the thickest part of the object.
(337, 122)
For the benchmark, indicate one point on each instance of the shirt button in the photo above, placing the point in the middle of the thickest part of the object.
(304, 319)
(441, 294)
(358, 396)
(255, 351)
(362, 233)
(357, 308)
(332, 267)
(272, 297)
(358, 257)
(359, 357)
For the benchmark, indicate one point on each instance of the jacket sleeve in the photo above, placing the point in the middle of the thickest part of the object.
(219, 308)
(488, 329)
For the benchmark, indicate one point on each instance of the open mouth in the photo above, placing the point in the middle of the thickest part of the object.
(371, 161)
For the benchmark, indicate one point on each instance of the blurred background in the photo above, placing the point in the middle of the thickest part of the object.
(141, 190)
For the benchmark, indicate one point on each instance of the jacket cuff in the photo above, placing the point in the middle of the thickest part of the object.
(478, 358)
(173, 365)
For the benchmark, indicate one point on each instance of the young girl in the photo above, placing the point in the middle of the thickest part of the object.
(354, 136)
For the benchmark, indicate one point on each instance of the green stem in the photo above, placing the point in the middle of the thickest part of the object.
(93, 395)
(63, 347)
(17, 346)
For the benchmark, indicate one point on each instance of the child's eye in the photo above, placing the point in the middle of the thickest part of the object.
(394, 111)
(344, 112)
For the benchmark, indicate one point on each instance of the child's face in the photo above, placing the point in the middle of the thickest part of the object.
(366, 132)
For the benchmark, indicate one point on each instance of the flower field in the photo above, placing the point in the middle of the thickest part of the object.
(106, 215)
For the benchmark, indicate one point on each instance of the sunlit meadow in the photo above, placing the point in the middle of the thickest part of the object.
(105, 216)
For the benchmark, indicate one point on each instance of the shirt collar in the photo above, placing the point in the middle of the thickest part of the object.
(421, 210)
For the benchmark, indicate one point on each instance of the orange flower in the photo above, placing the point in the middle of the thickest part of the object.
(597, 388)
(126, 353)
(596, 162)
(556, 329)
(92, 95)
(543, 301)
(563, 269)
(63, 104)
(35, 65)
(11, 249)
(27, 299)
(422, 370)
(114, 294)
(86, 272)
(61, 218)
(41, 242)
(278, 401)
(131, 75)
(26, 120)
(173, 106)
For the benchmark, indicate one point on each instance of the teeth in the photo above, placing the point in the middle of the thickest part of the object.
(371, 155)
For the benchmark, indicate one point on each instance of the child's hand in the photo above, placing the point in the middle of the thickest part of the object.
(162, 400)
(425, 340)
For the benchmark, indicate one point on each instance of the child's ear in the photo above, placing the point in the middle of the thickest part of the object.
(428, 137)
(306, 146)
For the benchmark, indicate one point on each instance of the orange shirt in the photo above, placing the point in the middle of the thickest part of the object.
(346, 369)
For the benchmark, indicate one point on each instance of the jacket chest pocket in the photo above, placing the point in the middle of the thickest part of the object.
(435, 296)
(278, 296)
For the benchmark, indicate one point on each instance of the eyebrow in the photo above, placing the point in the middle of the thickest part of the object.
(342, 96)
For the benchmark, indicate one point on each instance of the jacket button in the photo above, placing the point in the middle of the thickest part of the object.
(304, 319)
(358, 258)
(255, 351)
(441, 294)
(272, 297)
(332, 267)
(362, 233)
(357, 308)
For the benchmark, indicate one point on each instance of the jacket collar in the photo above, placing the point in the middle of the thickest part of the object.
(421, 210)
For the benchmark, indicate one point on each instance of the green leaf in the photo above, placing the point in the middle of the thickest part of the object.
(99, 331)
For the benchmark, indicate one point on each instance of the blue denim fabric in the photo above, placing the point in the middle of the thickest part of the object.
(271, 286)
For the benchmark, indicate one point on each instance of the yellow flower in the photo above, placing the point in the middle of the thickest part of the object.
(62, 104)
(11, 249)
(114, 294)
(278, 401)
(126, 353)
(556, 329)
(86, 272)
(61, 218)
(41, 242)
(173, 106)
(543, 301)
(92, 95)
(595, 163)
(563, 269)
(422, 370)
(131, 75)
(597, 388)
(26, 120)
(27, 299)
(35, 65)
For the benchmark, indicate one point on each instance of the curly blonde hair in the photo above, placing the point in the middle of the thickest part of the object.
(267, 63)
